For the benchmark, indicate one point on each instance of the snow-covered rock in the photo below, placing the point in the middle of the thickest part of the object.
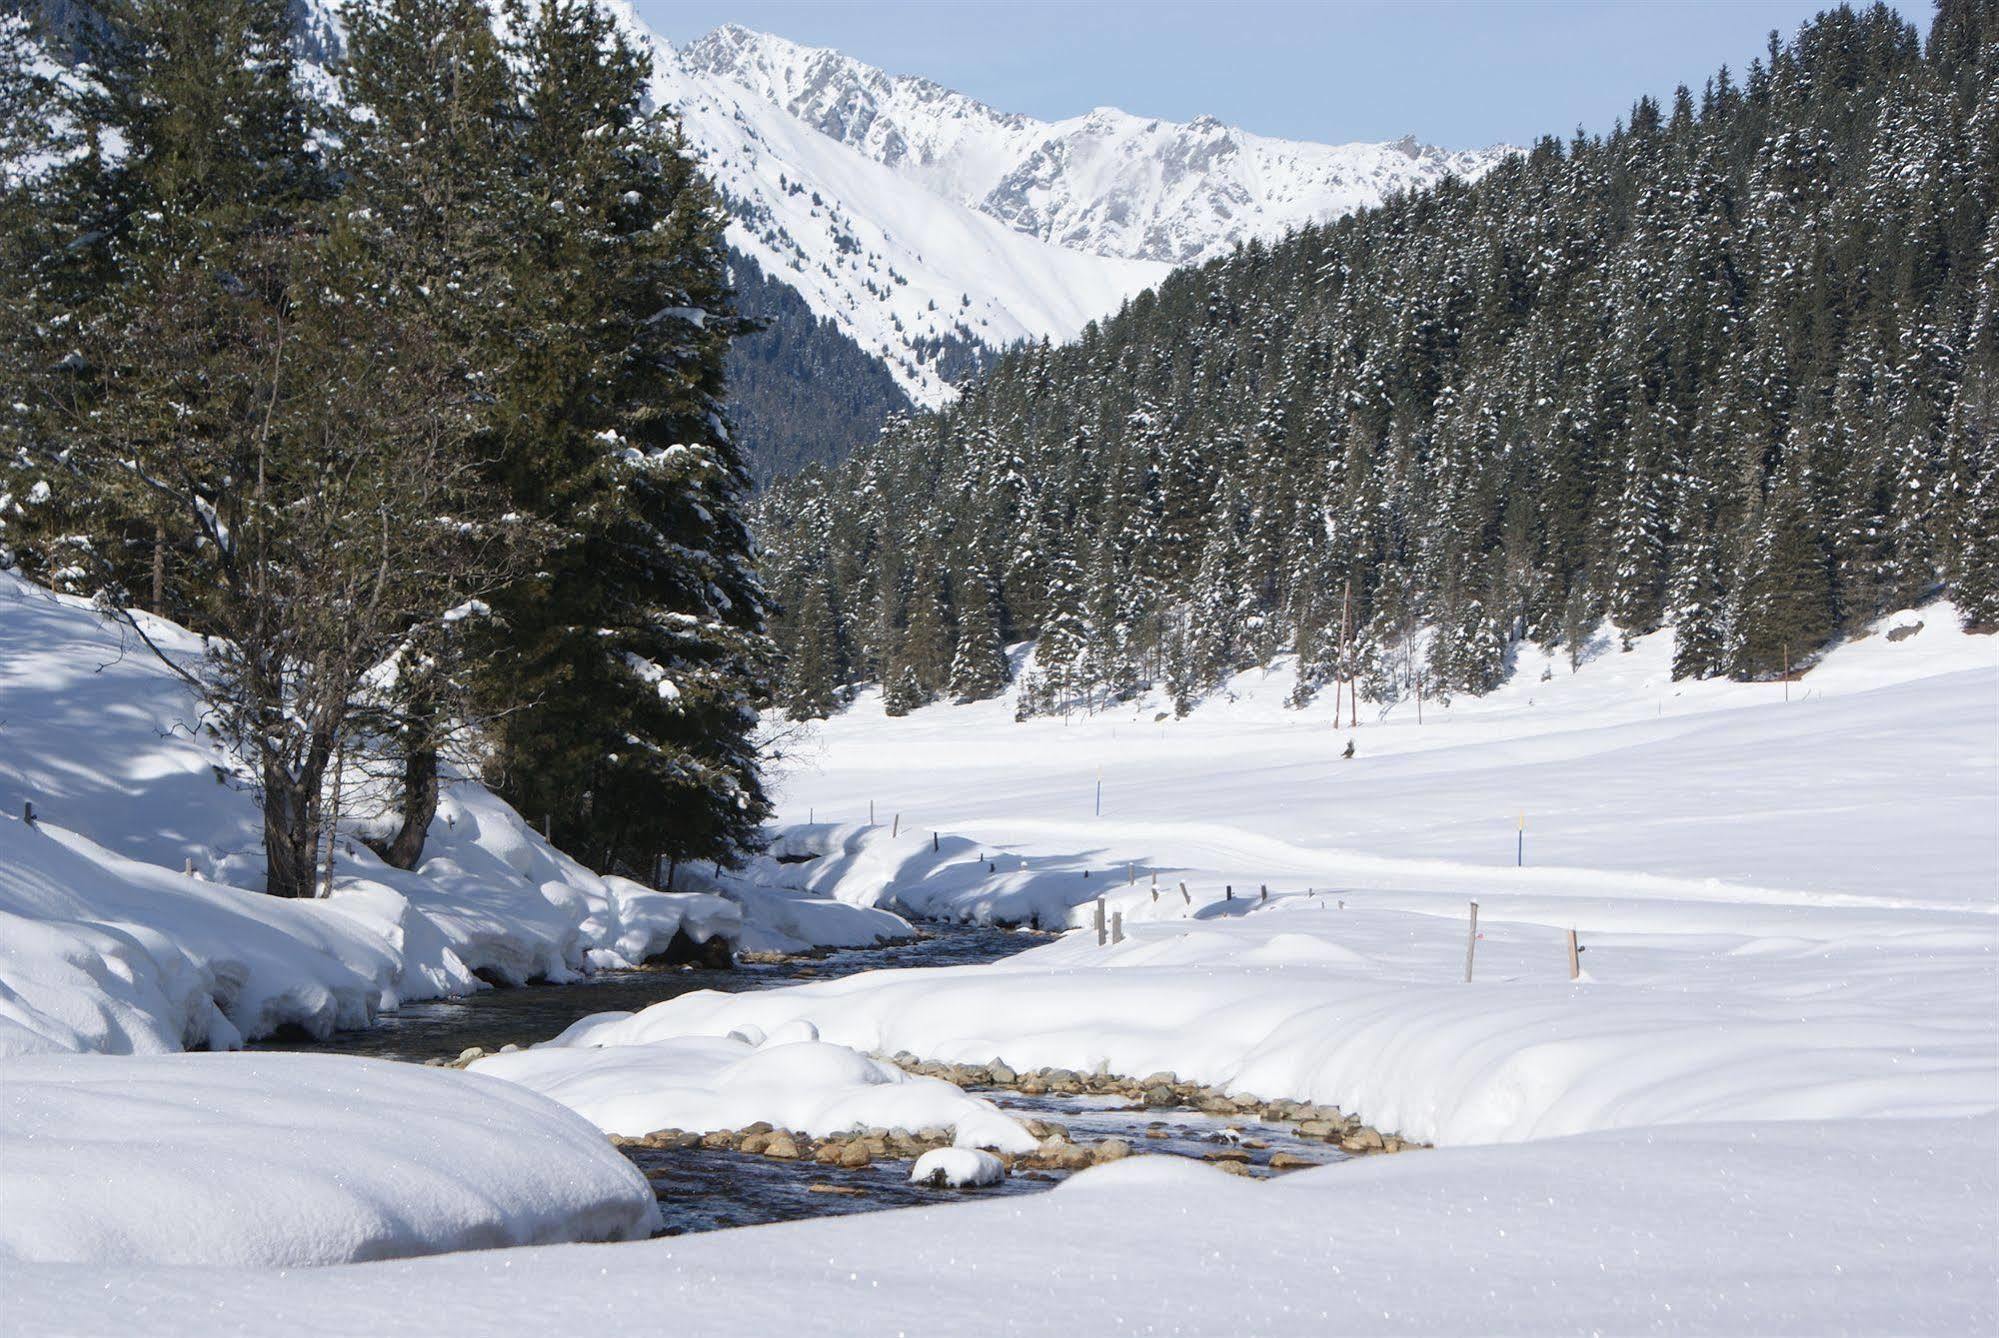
(957, 1168)
(605, 1069)
(280, 1160)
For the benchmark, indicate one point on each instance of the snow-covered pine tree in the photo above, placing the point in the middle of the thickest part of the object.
(633, 663)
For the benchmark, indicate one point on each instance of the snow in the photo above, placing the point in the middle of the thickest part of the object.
(958, 1168)
(1662, 1231)
(1106, 182)
(328, 1160)
(1787, 909)
(904, 212)
(611, 1074)
(106, 944)
(1769, 1104)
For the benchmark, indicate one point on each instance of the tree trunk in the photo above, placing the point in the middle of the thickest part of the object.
(291, 832)
(160, 568)
(419, 807)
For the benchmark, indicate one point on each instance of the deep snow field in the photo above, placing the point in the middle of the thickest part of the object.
(1769, 1104)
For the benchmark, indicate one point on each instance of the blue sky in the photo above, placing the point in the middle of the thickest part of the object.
(1454, 72)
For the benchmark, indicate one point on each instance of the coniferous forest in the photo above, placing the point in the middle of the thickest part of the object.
(1732, 367)
(407, 391)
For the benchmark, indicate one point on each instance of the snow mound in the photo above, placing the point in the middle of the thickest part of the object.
(279, 1161)
(957, 1168)
(604, 1070)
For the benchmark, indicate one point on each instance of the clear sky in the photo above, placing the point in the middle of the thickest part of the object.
(1459, 73)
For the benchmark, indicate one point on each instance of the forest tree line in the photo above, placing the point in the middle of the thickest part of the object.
(400, 379)
(1729, 368)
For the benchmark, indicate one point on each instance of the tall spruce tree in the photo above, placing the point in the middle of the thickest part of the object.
(631, 666)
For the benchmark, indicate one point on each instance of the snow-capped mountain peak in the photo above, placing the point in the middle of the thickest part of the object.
(1106, 182)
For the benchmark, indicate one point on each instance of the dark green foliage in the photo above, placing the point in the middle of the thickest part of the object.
(626, 673)
(522, 267)
(801, 391)
(1727, 367)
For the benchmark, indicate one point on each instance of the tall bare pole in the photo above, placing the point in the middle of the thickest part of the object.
(1346, 652)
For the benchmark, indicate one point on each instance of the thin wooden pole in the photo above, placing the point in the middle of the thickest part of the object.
(933, 842)
(1117, 926)
(1471, 941)
(333, 822)
(1103, 930)
(1346, 656)
(1185, 895)
(895, 829)
(1575, 957)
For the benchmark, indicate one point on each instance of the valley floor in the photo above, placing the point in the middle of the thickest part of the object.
(1769, 1103)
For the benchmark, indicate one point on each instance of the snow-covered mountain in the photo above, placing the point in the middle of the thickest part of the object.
(930, 228)
(920, 220)
(1107, 182)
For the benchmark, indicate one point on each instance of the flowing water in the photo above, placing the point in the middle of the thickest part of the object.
(444, 1028)
(706, 1190)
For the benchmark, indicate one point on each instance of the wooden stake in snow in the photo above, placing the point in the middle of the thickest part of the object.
(1103, 930)
(1131, 875)
(895, 829)
(28, 811)
(188, 869)
(1471, 941)
(1185, 895)
(1117, 926)
(933, 842)
(871, 812)
(1228, 892)
(1575, 957)
(1263, 891)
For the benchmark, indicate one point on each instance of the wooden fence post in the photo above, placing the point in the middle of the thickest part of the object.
(1575, 957)
(1103, 931)
(933, 842)
(1117, 926)
(895, 829)
(1185, 895)
(1471, 941)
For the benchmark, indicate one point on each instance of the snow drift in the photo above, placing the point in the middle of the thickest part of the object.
(329, 1160)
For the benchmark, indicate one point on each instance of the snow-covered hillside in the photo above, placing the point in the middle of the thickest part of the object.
(1764, 1104)
(129, 922)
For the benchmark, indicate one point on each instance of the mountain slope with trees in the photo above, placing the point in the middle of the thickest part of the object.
(1730, 367)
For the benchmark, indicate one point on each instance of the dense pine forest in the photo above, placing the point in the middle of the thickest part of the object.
(408, 391)
(1732, 367)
